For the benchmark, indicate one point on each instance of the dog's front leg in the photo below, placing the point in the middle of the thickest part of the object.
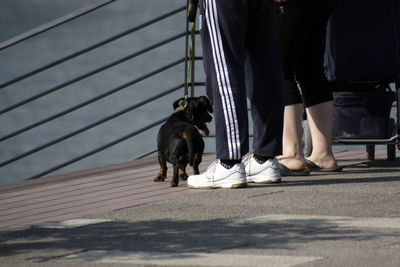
(162, 175)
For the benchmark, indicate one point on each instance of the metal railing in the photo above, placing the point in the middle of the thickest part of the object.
(186, 59)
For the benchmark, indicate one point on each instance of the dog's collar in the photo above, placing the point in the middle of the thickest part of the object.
(178, 109)
(184, 107)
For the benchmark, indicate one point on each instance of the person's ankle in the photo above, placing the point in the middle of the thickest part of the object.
(261, 159)
(229, 163)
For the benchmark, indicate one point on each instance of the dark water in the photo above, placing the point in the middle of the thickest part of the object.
(19, 16)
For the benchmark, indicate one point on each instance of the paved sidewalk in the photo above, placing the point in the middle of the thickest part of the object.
(351, 218)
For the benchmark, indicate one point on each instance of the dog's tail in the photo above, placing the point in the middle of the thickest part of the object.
(188, 136)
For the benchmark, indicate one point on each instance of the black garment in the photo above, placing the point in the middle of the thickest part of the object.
(240, 53)
(302, 32)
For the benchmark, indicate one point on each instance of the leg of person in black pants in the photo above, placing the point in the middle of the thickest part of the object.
(241, 59)
(302, 31)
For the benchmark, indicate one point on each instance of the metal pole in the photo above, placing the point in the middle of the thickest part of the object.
(53, 24)
(186, 51)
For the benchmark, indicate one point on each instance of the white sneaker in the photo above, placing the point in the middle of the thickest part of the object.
(268, 172)
(217, 176)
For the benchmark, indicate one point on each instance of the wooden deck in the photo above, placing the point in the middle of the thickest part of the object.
(78, 194)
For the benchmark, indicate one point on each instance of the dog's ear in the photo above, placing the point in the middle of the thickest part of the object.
(178, 103)
(204, 100)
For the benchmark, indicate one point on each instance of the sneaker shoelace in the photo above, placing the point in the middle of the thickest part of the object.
(246, 159)
(210, 173)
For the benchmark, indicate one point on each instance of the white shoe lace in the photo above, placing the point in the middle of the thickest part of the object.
(210, 173)
(246, 159)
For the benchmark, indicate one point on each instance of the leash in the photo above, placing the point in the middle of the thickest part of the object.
(189, 60)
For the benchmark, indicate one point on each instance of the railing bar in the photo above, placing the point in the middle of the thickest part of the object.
(92, 100)
(186, 54)
(90, 73)
(53, 24)
(97, 149)
(24, 76)
(87, 127)
(213, 135)
(193, 55)
(147, 153)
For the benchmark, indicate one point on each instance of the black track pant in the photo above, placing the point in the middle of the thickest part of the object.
(241, 58)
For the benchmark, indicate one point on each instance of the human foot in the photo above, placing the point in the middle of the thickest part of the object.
(322, 162)
(292, 163)
(314, 167)
(257, 172)
(291, 166)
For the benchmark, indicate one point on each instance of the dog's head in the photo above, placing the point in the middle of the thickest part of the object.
(197, 110)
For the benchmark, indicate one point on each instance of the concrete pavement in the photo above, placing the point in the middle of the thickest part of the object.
(351, 218)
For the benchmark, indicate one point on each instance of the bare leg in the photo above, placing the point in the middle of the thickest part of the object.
(320, 122)
(292, 150)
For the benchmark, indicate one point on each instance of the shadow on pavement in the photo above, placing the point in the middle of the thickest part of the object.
(176, 236)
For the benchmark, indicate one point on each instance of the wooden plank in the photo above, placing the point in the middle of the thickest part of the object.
(95, 206)
(79, 194)
(61, 201)
(55, 179)
(82, 213)
(80, 182)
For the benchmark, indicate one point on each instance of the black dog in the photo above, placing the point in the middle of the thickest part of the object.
(179, 142)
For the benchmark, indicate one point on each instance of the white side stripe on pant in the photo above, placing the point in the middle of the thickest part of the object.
(223, 80)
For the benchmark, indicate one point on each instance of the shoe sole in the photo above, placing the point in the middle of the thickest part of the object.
(233, 186)
(266, 181)
(260, 179)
